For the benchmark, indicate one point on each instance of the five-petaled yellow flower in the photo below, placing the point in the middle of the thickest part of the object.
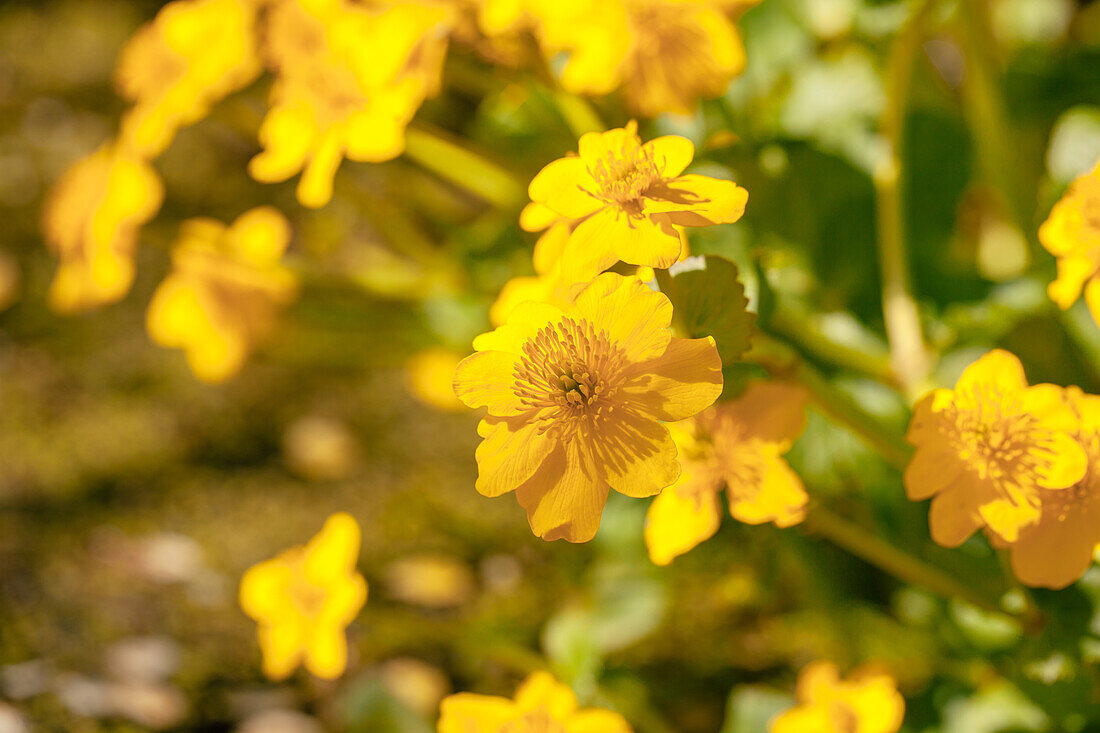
(1058, 550)
(194, 53)
(542, 705)
(865, 703)
(626, 200)
(739, 444)
(575, 397)
(224, 291)
(348, 79)
(305, 598)
(91, 221)
(1072, 234)
(990, 450)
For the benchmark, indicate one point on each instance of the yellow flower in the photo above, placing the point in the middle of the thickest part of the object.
(1072, 234)
(223, 293)
(349, 79)
(990, 450)
(575, 397)
(739, 444)
(91, 222)
(627, 199)
(194, 53)
(305, 598)
(542, 705)
(666, 54)
(428, 374)
(1058, 550)
(866, 703)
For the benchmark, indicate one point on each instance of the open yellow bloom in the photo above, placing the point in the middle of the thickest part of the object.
(738, 444)
(865, 703)
(348, 80)
(575, 398)
(224, 290)
(91, 222)
(1058, 550)
(990, 450)
(1072, 234)
(192, 54)
(627, 200)
(305, 598)
(542, 705)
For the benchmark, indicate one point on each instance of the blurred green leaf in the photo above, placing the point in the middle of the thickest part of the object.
(709, 300)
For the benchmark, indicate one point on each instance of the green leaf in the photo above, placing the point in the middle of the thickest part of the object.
(709, 300)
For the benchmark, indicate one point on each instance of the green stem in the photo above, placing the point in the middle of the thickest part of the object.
(801, 330)
(460, 165)
(908, 355)
(897, 562)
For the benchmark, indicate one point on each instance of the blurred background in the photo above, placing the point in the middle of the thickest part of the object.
(133, 497)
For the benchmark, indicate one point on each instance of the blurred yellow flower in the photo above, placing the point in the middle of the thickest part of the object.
(542, 705)
(575, 397)
(429, 374)
(1058, 550)
(348, 80)
(739, 444)
(1072, 234)
(305, 598)
(224, 290)
(627, 201)
(91, 222)
(865, 703)
(174, 68)
(990, 450)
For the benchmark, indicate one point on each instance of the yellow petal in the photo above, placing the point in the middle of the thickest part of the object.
(1064, 461)
(541, 690)
(877, 705)
(333, 554)
(1007, 517)
(931, 469)
(592, 247)
(771, 411)
(524, 322)
(1092, 298)
(646, 241)
(636, 455)
(565, 499)
(682, 382)
(263, 590)
(486, 379)
(636, 318)
(509, 455)
(326, 651)
(672, 154)
(999, 369)
(1058, 551)
(536, 217)
(566, 188)
(550, 247)
(468, 713)
(677, 522)
(780, 498)
(695, 201)
(315, 187)
(282, 646)
(952, 517)
(260, 235)
(1073, 271)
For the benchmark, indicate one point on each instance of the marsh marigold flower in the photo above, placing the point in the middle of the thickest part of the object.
(91, 222)
(348, 80)
(1058, 549)
(304, 599)
(1072, 234)
(541, 705)
(575, 400)
(990, 450)
(739, 445)
(224, 290)
(865, 703)
(194, 53)
(626, 200)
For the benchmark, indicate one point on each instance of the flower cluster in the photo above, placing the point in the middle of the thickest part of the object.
(1072, 234)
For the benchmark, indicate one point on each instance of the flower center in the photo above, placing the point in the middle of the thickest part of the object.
(625, 175)
(997, 439)
(307, 597)
(569, 374)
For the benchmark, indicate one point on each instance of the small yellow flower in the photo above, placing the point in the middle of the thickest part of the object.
(1058, 550)
(191, 55)
(990, 450)
(91, 222)
(1072, 234)
(223, 293)
(865, 703)
(575, 399)
(739, 444)
(428, 375)
(305, 598)
(542, 705)
(348, 80)
(626, 200)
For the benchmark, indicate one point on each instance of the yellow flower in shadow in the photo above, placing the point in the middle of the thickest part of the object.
(304, 599)
(575, 400)
(541, 705)
(91, 222)
(990, 450)
(1058, 549)
(627, 201)
(739, 445)
(223, 293)
(174, 68)
(348, 80)
(865, 703)
(1072, 234)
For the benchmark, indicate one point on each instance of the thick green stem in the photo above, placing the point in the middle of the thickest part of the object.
(458, 164)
